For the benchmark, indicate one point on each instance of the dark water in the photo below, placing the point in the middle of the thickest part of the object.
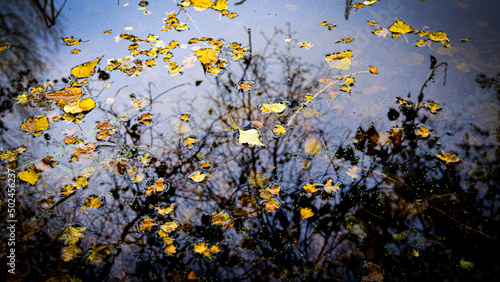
(399, 213)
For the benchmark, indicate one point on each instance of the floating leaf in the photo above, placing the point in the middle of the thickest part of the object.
(36, 125)
(68, 95)
(169, 226)
(310, 188)
(400, 27)
(30, 175)
(273, 108)
(434, 106)
(312, 146)
(340, 60)
(189, 141)
(423, 131)
(165, 211)
(93, 202)
(85, 70)
(467, 265)
(329, 188)
(271, 204)
(245, 86)
(4, 46)
(373, 70)
(372, 23)
(345, 40)
(279, 129)
(200, 247)
(439, 36)
(146, 224)
(306, 213)
(447, 157)
(198, 176)
(330, 26)
(251, 136)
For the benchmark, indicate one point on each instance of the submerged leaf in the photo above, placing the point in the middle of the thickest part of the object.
(447, 157)
(312, 146)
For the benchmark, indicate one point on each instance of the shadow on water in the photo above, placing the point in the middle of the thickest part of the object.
(398, 212)
(26, 26)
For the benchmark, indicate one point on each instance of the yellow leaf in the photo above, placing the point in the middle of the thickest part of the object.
(71, 235)
(340, 60)
(146, 224)
(310, 188)
(423, 131)
(87, 104)
(246, 86)
(271, 204)
(69, 95)
(170, 249)
(189, 141)
(75, 51)
(198, 176)
(169, 226)
(93, 202)
(200, 247)
(273, 108)
(420, 43)
(185, 117)
(86, 69)
(222, 218)
(439, 36)
(279, 129)
(3, 46)
(157, 186)
(306, 213)
(330, 26)
(205, 164)
(447, 157)
(70, 252)
(345, 40)
(434, 106)
(251, 137)
(31, 175)
(369, 2)
(192, 276)
(372, 23)
(329, 188)
(76, 107)
(373, 70)
(273, 189)
(220, 5)
(400, 27)
(206, 55)
(312, 146)
(353, 172)
(165, 211)
(36, 125)
(9, 156)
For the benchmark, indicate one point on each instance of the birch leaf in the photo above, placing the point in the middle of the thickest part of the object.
(273, 108)
(87, 69)
(251, 136)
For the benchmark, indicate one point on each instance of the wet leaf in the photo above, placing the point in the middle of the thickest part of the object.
(353, 172)
(467, 265)
(271, 204)
(372, 23)
(340, 60)
(310, 188)
(165, 211)
(251, 137)
(312, 146)
(434, 106)
(169, 226)
(306, 213)
(185, 117)
(4, 46)
(69, 95)
(273, 108)
(36, 125)
(198, 176)
(222, 219)
(146, 224)
(447, 157)
(373, 70)
(400, 27)
(70, 252)
(93, 202)
(200, 247)
(375, 274)
(189, 141)
(345, 40)
(329, 188)
(279, 129)
(71, 235)
(85, 70)
(30, 175)
(422, 131)
(258, 179)
(157, 186)
(439, 36)
(246, 86)
(78, 106)
(329, 26)
(98, 253)
(305, 45)
(192, 275)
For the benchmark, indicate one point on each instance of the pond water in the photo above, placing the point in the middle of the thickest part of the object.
(250, 140)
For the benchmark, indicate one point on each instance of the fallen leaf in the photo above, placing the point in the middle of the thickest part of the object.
(258, 179)
(329, 188)
(35, 125)
(246, 86)
(165, 211)
(373, 70)
(279, 129)
(306, 213)
(30, 175)
(400, 27)
(353, 172)
(70, 252)
(71, 235)
(200, 247)
(189, 141)
(198, 176)
(312, 146)
(273, 108)
(146, 224)
(447, 157)
(271, 204)
(169, 226)
(310, 188)
(93, 202)
(422, 131)
(85, 70)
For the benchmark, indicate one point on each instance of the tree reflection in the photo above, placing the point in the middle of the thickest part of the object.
(404, 215)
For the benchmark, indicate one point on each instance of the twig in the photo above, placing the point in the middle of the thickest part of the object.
(328, 84)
